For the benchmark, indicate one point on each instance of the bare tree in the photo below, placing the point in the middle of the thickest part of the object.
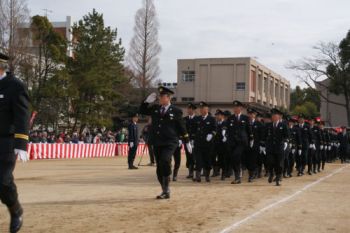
(13, 15)
(144, 48)
(327, 71)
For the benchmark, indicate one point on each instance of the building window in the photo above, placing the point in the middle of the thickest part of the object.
(188, 76)
(253, 81)
(187, 99)
(240, 86)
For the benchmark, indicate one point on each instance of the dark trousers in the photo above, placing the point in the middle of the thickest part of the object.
(131, 155)
(322, 160)
(310, 159)
(227, 161)
(8, 189)
(343, 153)
(163, 155)
(177, 158)
(252, 158)
(236, 153)
(218, 155)
(190, 160)
(291, 161)
(203, 156)
(301, 160)
(260, 163)
(151, 153)
(275, 161)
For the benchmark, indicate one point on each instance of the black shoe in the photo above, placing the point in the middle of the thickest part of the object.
(270, 179)
(163, 195)
(310, 173)
(250, 179)
(174, 178)
(198, 177)
(133, 168)
(278, 183)
(16, 218)
(237, 181)
(207, 179)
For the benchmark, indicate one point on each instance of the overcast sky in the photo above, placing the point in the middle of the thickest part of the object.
(274, 31)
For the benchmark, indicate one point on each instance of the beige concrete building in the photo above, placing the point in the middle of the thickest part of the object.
(334, 115)
(219, 81)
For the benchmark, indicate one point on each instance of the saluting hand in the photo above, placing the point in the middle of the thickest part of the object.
(151, 98)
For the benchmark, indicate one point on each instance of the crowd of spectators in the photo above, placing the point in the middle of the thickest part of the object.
(96, 136)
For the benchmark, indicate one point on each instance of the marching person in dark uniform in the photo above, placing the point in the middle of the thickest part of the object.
(191, 125)
(344, 141)
(262, 159)
(168, 127)
(204, 142)
(14, 130)
(294, 145)
(219, 147)
(323, 147)
(133, 140)
(276, 134)
(237, 134)
(256, 138)
(305, 133)
(317, 141)
(227, 170)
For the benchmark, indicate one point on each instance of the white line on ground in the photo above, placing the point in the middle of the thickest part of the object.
(235, 225)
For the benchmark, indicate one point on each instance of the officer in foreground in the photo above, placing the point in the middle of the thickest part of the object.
(14, 127)
(168, 127)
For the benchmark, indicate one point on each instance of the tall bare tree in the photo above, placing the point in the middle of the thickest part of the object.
(144, 48)
(13, 14)
(331, 63)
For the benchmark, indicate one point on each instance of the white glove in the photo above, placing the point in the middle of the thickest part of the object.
(131, 145)
(263, 150)
(224, 139)
(180, 143)
(224, 133)
(22, 155)
(251, 144)
(285, 146)
(321, 147)
(189, 147)
(293, 151)
(151, 98)
(313, 147)
(329, 148)
(209, 137)
(290, 145)
(332, 144)
(192, 143)
(338, 144)
(299, 152)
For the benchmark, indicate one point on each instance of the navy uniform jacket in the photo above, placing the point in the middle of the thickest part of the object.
(168, 128)
(191, 126)
(14, 116)
(204, 127)
(133, 133)
(316, 136)
(306, 137)
(257, 133)
(295, 137)
(238, 130)
(218, 137)
(276, 137)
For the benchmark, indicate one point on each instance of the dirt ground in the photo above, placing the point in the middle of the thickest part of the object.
(101, 195)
